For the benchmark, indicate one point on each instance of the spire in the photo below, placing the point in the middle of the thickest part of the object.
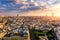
(52, 14)
(17, 14)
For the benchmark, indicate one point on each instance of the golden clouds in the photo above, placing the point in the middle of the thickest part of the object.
(56, 10)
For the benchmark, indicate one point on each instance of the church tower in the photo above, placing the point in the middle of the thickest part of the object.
(52, 14)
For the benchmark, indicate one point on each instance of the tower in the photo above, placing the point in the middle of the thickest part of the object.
(52, 14)
(18, 15)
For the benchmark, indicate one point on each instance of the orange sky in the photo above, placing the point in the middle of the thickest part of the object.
(53, 9)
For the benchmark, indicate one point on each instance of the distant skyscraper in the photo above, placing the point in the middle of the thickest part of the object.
(52, 14)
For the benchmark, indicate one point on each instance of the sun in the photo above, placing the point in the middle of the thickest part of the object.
(57, 14)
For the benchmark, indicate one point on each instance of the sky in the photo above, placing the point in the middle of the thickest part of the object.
(30, 7)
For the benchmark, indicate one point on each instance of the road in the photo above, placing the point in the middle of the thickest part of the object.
(28, 35)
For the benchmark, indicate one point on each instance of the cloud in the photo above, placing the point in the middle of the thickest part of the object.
(26, 5)
(56, 9)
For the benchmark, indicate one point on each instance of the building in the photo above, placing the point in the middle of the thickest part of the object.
(43, 37)
(57, 33)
